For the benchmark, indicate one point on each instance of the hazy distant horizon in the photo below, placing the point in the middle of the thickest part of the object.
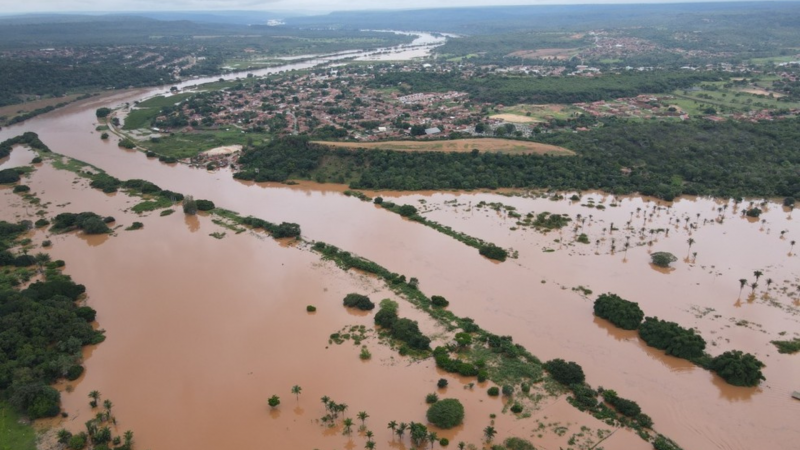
(310, 6)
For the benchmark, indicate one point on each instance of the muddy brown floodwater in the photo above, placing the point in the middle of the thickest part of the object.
(201, 331)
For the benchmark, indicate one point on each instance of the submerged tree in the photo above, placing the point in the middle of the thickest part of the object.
(296, 391)
(663, 259)
(274, 401)
(189, 205)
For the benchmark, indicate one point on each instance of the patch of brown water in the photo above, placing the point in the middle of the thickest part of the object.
(193, 352)
(548, 318)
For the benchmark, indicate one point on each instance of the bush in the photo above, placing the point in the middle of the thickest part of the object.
(407, 210)
(439, 302)
(205, 205)
(663, 259)
(672, 338)
(311, 308)
(102, 112)
(516, 408)
(408, 331)
(386, 318)
(738, 369)
(42, 223)
(21, 188)
(493, 391)
(624, 406)
(285, 230)
(444, 442)
(95, 225)
(492, 251)
(36, 160)
(584, 396)
(754, 212)
(566, 373)
(378, 200)
(104, 136)
(135, 226)
(74, 372)
(622, 313)
(8, 176)
(442, 383)
(127, 143)
(359, 301)
(446, 414)
(431, 398)
(77, 442)
(47, 243)
(515, 443)
(508, 390)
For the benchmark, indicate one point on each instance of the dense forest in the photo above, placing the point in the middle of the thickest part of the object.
(512, 90)
(662, 159)
(42, 329)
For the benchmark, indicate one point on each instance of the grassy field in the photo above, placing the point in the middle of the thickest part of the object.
(148, 110)
(458, 145)
(13, 435)
(539, 113)
(190, 144)
(727, 100)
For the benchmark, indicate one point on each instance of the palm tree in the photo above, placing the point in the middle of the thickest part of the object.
(754, 286)
(401, 429)
(392, 426)
(489, 433)
(342, 407)
(362, 415)
(369, 445)
(757, 274)
(432, 438)
(369, 434)
(792, 247)
(769, 282)
(742, 284)
(296, 391)
(107, 403)
(348, 425)
(690, 241)
(94, 395)
(461, 445)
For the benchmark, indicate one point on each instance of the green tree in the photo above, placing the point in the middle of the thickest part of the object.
(622, 313)
(362, 416)
(189, 205)
(566, 373)
(296, 391)
(445, 414)
(489, 433)
(663, 259)
(738, 368)
(348, 426)
(274, 401)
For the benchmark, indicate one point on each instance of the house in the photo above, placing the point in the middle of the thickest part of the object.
(432, 131)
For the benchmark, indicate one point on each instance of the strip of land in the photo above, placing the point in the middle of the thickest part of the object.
(459, 145)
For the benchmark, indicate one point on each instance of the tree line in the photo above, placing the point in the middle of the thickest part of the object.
(661, 159)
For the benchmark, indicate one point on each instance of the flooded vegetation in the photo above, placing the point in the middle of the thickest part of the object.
(294, 316)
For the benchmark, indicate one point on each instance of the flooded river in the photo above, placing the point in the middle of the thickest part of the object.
(202, 331)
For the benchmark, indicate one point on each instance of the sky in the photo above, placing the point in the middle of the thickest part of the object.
(41, 6)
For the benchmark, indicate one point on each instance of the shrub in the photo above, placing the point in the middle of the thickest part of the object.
(672, 338)
(525, 388)
(42, 223)
(205, 205)
(622, 313)
(584, 396)
(109, 219)
(492, 251)
(135, 226)
(431, 398)
(624, 406)
(444, 442)
(104, 136)
(365, 354)
(508, 390)
(95, 225)
(285, 230)
(566, 373)
(439, 302)
(407, 210)
(738, 369)
(77, 442)
(47, 243)
(515, 443)
(359, 301)
(8, 176)
(386, 318)
(74, 372)
(311, 308)
(36, 160)
(442, 383)
(517, 408)
(274, 401)
(102, 112)
(127, 143)
(754, 212)
(408, 331)
(446, 414)
(21, 188)
(378, 200)
(663, 259)
(493, 391)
